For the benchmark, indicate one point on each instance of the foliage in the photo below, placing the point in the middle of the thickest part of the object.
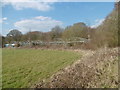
(56, 32)
(31, 36)
(77, 30)
(14, 35)
(107, 32)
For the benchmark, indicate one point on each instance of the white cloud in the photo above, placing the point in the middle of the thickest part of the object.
(39, 23)
(23, 4)
(42, 18)
(97, 23)
(3, 19)
(41, 5)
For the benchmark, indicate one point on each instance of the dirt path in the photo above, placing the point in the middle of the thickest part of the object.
(95, 69)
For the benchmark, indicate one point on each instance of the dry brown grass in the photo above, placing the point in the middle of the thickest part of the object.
(96, 69)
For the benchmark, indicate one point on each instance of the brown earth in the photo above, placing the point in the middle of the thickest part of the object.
(96, 69)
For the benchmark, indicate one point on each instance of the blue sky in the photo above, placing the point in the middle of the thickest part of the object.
(26, 16)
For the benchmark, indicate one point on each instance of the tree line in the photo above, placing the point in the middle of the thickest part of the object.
(105, 34)
(56, 33)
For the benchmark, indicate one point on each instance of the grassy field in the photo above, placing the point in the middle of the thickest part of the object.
(25, 67)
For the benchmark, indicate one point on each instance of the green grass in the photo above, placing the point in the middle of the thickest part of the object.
(25, 67)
